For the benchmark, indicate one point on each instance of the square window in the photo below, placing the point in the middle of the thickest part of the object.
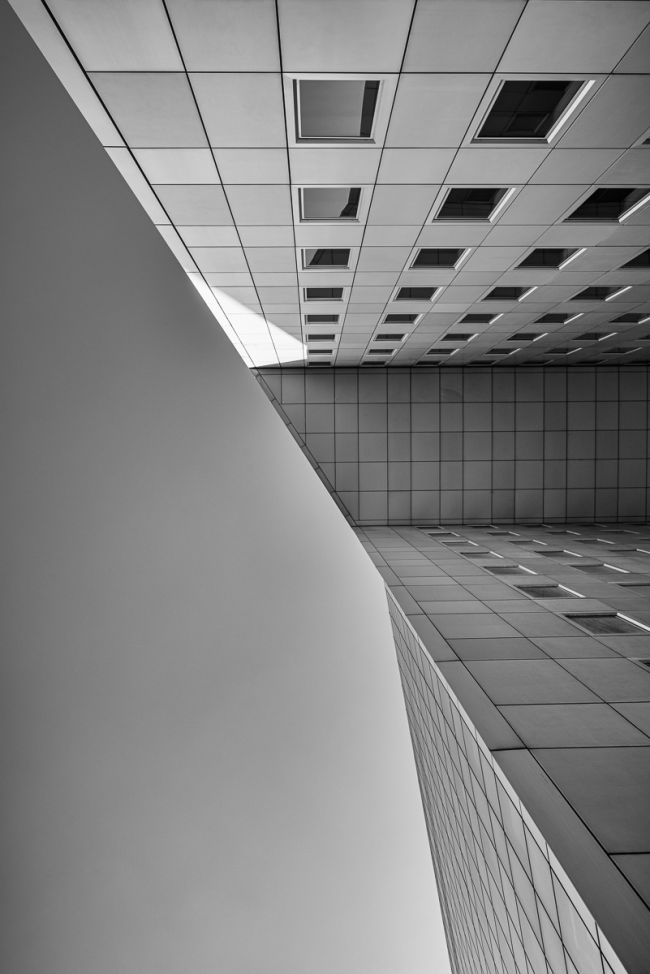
(605, 624)
(547, 257)
(415, 293)
(527, 109)
(329, 203)
(323, 258)
(430, 257)
(609, 205)
(323, 293)
(401, 319)
(321, 319)
(335, 110)
(463, 203)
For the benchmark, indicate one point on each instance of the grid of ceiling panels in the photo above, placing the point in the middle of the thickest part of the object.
(196, 104)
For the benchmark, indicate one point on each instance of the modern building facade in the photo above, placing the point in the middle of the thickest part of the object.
(425, 227)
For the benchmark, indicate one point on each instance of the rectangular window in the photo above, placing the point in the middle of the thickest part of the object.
(321, 338)
(607, 205)
(321, 319)
(325, 258)
(506, 294)
(327, 204)
(546, 592)
(388, 337)
(335, 110)
(380, 351)
(457, 337)
(431, 257)
(605, 623)
(592, 336)
(595, 294)
(504, 570)
(528, 109)
(633, 318)
(323, 293)
(415, 294)
(477, 319)
(401, 319)
(441, 351)
(463, 203)
(641, 260)
(547, 257)
(554, 319)
(498, 351)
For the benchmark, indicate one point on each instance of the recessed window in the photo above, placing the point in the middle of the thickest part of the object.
(547, 592)
(555, 319)
(504, 570)
(380, 351)
(605, 624)
(331, 111)
(527, 109)
(321, 319)
(441, 351)
(592, 336)
(605, 205)
(599, 569)
(641, 260)
(499, 351)
(457, 337)
(401, 319)
(596, 294)
(329, 203)
(324, 258)
(321, 338)
(463, 203)
(618, 350)
(506, 294)
(477, 319)
(320, 351)
(633, 318)
(547, 257)
(430, 257)
(558, 351)
(323, 293)
(474, 554)
(415, 293)
(386, 337)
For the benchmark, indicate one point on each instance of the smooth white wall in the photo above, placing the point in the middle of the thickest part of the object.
(205, 759)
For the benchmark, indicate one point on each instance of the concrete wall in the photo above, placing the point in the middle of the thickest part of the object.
(205, 761)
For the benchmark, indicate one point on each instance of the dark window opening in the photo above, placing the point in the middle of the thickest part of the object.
(470, 204)
(415, 293)
(388, 338)
(505, 293)
(430, 257)
(546, 257)
(321, 338)
(546, 592)
(604, 624)
(595, 293)
(641, 260)
(321, 319)
(553, 319)
(323, 293)
(607, 204)
(326, 258)
(527, 109)
(326, 203)
(477, 319)
(401, 319)
(457, 337)
(524, 336)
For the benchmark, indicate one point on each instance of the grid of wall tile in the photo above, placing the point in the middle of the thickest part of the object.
(518, 709)
(407, 446)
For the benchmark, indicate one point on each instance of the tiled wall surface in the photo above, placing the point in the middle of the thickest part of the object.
(503, 685)
(408, 446)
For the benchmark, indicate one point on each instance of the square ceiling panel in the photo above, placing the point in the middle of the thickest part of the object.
(241, 110)
(434, 109)
(240, 35)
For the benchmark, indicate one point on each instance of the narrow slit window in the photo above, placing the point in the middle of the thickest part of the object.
(325, 258)
(335, 110)
(401, 319)
(327, 204)
(547, 257)
(321, 319)
(527, 109)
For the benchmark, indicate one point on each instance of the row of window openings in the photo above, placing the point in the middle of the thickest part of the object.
(452, 257)
(330, 204)
(345, 110)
